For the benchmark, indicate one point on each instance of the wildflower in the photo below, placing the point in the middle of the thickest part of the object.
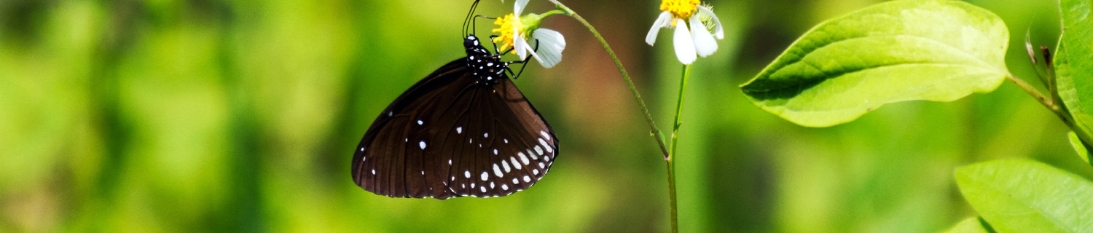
(513, 32)
(688, 41)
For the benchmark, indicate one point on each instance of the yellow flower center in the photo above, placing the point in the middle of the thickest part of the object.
(507, 25)
(681, 9)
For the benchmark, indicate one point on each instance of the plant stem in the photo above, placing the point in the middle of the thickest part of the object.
(1052, 104)
(644, 109)
(1047, 102)
(625, 76)
(672, 152)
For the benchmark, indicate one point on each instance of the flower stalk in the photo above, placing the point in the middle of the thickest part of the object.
(622, 70)
(672, 152)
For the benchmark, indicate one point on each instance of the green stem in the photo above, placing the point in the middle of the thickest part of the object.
(552, 12)
(1052, 104)
(625, 76)
(641, 103)
(675, 136)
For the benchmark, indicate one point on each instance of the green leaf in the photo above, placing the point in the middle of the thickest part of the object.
(972, 225)
(1028, 196)
(1074, 62)
(890, 52)
(1078, 147)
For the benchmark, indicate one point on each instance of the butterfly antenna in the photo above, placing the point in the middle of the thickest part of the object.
(468, 19)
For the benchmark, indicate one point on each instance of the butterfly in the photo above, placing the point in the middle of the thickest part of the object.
(463, 130)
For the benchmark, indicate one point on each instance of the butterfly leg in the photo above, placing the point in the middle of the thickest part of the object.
(525, 63)
(495, 50)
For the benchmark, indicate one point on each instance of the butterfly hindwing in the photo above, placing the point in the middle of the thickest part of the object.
(452, 136)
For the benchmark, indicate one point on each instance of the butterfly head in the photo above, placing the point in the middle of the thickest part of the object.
(486, 66)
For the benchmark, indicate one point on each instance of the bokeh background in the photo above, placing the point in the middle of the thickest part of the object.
(241, 116)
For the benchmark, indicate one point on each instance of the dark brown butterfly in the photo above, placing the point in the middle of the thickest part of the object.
(464, 130)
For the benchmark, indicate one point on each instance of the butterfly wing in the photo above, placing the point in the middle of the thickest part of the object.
(450, 136)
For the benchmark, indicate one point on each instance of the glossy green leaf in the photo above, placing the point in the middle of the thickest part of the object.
(1078, 146)
(890, 52)
(971, 225)
(1074, 62)
(1028, 196)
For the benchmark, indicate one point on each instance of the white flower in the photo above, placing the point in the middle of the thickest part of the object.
(513, 32)
(687, 42)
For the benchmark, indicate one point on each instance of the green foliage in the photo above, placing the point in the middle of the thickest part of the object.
(240, 116)
(889, 52)
(1027, 196)
(1078, 147)
(1074, 62)
(972, 225)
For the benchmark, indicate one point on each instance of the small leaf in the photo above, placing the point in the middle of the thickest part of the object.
(972, 225)
(1027, 196)
(1074, 62)
(890, 52)
(1078, 147)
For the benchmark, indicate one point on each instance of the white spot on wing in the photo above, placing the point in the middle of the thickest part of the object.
(494, 151)
(505, 164)
(505, 187)
(538, 150)
(485, 175)
(459, 130)
(541, 165)
(419, 122)
(486, 135)
(449, 162)
(545, 135)
(535, 171)
(496, 171)
(548, 148)
(506, 141)
(467, 173)
(373, 171)
(523, 158)
(533, 157)
(515, 163)
(421, 144)
(527, 178)
(483, 188)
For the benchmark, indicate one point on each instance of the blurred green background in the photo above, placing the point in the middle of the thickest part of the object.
(194, 115)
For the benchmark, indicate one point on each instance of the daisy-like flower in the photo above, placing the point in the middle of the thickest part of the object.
(514, 30)
(689, 41)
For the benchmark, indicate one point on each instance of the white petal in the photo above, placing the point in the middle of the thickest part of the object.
(684, 44)
(662, 21)
(704, 42)
(551, 44)
(717, 31)
(519, 7)
(529, 49)
(520, 46)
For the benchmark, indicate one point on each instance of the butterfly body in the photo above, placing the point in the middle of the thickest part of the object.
(464, 130)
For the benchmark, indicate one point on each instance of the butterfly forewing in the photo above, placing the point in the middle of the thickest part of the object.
(452, 136)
